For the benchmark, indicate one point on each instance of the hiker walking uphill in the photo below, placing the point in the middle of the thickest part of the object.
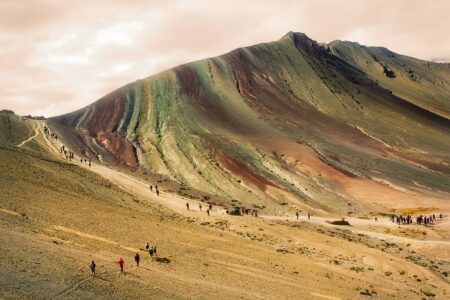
(187, 205)
(297, 214)
(92, 267)
(121, 262)
(137, 259)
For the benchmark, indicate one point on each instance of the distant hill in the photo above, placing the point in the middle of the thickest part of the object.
(328, 126)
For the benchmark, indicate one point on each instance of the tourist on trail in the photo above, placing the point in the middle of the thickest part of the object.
(309, 216)
(200, 207)
(376, 219)
(440, 216)
(156, 186)
(151, 251)
(207, 211)
(121, 262)
(137, 258)
(151, 188)
(297, 214)
(157, 193)
(210, 206)
(81, 160)
(187, 205)
(147, 246)
(92, 267)
(89, 164)
(154, 250)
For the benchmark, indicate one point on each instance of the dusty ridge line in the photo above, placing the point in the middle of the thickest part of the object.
(36, 132)
(258, 273)
(324, 296)
(9, 212)
(95, 237)
(72, 288)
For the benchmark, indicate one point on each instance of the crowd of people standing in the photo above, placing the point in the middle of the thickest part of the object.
(408, 219)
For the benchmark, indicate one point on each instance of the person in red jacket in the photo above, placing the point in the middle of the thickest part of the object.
(121, 262)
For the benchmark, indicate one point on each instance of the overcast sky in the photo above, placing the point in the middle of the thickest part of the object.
(58, 56)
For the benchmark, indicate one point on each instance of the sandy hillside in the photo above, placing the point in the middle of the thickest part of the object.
(56, 215)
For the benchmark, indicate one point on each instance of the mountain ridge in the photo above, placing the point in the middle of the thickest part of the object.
(341, 105)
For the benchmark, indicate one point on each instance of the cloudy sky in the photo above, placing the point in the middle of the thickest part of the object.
(57, 56)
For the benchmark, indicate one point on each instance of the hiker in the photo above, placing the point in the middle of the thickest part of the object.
(309, 216)
(92, 267)
(210, 206)
(207, 211)
(376, 219)
(89, 164)
(156, 186)
(151, 251)
(147, 246)
(187, 205)
(297, 214)
(440, 216)
(200, 207)
(154, 250)
(157, 193)
(81, 160)
(151, 188)
(137, 258)
(121, 262)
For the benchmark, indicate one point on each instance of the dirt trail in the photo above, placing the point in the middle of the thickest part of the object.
(36, 133)
(361, 222)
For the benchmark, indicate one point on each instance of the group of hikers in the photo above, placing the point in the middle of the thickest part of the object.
(50, 133)
(68, 154)
(242, 211)
(156, 189)
(200, 207)
(121, 262)
(408, 219)
(297, 214)
(86, 161)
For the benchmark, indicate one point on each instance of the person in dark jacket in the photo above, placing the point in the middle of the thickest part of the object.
(137, 259)
(92, 267)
